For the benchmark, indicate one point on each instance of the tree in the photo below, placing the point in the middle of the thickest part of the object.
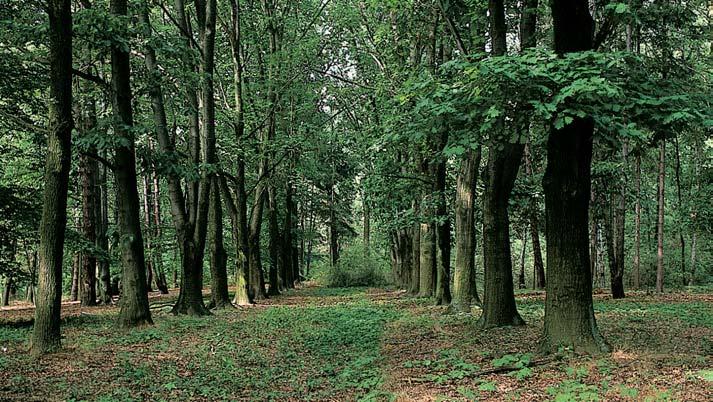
(569, 311)
(46, 331)
(134, 299)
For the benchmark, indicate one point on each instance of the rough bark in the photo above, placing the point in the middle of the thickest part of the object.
(46, 331)
(415, 254)
(637, 224)
(427, 259)
(219, 297)
(102, 210)
(569, 311)
(274, 245)
(504, 157)
(616, 223)
(466, 186)
(89, 170)
(134, 299)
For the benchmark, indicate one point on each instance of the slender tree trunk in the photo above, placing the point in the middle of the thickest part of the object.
(443, 228)
(615, 222)
(637, 223)
(46, 331)
(521, 277)
(89, 172)
(466, 187)
(134, 299)
(681, 239)
(6, 291)
(569, 310)
(76, 266)
(415, 254)
(694, 216)
(539, 266)
(427, 258)
(147, 207)
(102, 209)
(161, 282)
(274, 246)
(660, 220)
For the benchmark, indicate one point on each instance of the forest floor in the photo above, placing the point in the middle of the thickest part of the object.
(362, 344)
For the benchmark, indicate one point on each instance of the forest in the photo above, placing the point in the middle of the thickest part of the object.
(372, 200)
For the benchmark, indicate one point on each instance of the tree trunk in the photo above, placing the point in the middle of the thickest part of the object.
(681, 239)
(147, 208)
(415, 254)
(660, 220)
(466, 187)
(521, 277)
(161, 282)
(616, 223)
(427, 259)
(569, 311)
(46, 331)
(274, 245)
(6, 291)
(102, 210)
(539, 266)
(76, 266)
(89, 171)
(134, 299)
(443, 228)
(637, 224)
(219, 297)
(504, 158)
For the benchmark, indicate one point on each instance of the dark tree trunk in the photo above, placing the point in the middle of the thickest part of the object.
(288, 268)
(466, 187)
(218, 257)
(46, 331)
(415, 255)
(539, 266)
(615, 221)
(521, 276)
(427, 258)
(499, 307)
(274, 245)
(6, 291)
(134, 299)
(102, 211)
(147, 208)
(89, 171)
(161, 282)
(76, 266)
(569, 311)
(257, 287)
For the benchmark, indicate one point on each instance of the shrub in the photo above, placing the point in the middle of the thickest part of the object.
(355, 268)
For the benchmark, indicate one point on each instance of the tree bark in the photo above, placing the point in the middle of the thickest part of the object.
(504, 158)
(102, 210)
(616, 223)
(521, 276)
(46, 331)
(539, 266)
(415, 254)
(569, 311)
(427, 259)
(637, 223)
(218, 257)
(443, 228)
(660, 218)
(89, 171)
(161, 282)
(466, 186)
(274, 245)
(134, 299)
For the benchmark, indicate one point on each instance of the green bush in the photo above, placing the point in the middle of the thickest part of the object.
(354, 268)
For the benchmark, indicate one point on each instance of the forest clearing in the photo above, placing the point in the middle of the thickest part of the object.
(369, 200)
(322, 344)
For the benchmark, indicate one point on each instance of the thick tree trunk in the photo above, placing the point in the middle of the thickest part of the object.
(660, 218)
(219, 297)
(257, 289)
(6, 291)
(504, 158)
(569, 310)
(466, 186)
(46, 331)
(134, 299)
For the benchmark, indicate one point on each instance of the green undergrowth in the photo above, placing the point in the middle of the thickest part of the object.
(275, 353)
